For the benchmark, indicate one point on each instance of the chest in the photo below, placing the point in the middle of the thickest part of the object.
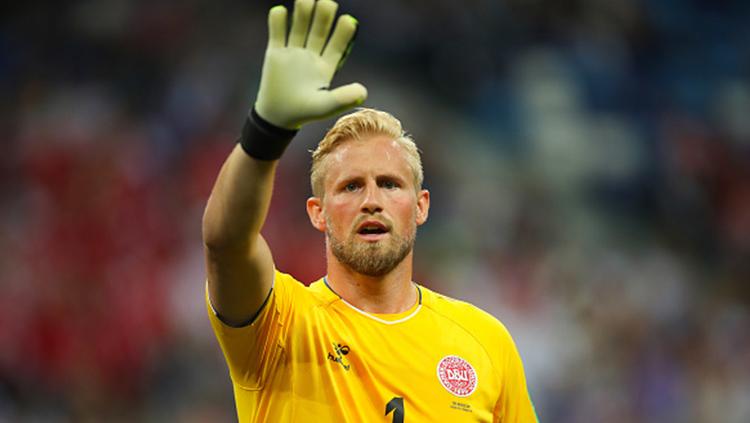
(422, 369)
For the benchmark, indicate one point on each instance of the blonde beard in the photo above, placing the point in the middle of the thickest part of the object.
(371, 259)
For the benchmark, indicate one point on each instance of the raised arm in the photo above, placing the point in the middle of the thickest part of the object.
(294, 90)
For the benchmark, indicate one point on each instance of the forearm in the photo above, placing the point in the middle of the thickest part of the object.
(238, 262)
(239, 202)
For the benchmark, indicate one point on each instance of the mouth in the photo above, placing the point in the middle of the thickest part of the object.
(372, 230)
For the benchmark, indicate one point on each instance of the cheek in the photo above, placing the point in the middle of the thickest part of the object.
(407, 209)
(337, 214)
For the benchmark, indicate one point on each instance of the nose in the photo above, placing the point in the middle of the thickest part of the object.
(371, 203)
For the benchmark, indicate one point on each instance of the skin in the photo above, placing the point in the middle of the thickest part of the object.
(370, 180)
(239, 262)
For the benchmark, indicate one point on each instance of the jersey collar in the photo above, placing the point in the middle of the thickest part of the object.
(388, 319)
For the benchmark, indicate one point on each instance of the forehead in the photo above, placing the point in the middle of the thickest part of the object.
(371, 155)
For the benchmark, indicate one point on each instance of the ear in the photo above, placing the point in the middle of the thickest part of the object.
(315, 213)
(423, 206)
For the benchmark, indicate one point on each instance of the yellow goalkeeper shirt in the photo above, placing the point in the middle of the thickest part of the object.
(309, 356)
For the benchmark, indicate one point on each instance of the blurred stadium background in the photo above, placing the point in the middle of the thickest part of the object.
(589, 163)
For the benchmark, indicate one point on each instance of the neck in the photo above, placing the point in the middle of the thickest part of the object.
(393, 292)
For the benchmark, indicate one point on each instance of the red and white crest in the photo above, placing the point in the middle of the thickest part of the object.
(457, 376)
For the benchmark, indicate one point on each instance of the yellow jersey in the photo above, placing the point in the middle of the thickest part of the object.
(310, 356)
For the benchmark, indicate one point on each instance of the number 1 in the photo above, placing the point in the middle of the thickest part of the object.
(397, 406)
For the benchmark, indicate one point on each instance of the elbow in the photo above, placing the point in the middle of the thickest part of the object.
(219, 236)
(223, 230)
(220, 240)
(215, 241)
(224, 241)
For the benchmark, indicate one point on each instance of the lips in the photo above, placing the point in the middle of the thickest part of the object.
(371, 227)
(372, 230)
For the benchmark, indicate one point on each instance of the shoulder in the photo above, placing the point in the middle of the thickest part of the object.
(291, 289)
(283, 280)
(483, 326)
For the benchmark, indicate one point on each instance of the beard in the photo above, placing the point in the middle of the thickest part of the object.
(372, 258)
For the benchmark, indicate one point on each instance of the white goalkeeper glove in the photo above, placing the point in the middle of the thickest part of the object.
(297, 73)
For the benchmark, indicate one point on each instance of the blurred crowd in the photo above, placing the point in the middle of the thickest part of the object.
(589, 164)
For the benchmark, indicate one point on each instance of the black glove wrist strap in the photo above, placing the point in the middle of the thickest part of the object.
(263, 140)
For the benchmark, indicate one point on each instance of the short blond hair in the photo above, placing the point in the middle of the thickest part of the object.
(354, 127)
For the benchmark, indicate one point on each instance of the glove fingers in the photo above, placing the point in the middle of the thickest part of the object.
(325, 10)
(338, 46)
(277, 27)
(300, 22)
(342, 98)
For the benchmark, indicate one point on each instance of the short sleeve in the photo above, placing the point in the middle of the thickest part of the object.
(514, 404)
(253, 351)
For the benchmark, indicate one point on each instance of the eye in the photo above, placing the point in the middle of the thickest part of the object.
(389, 184)
(351, 187)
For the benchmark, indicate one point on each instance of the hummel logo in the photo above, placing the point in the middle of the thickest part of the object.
(341, 351)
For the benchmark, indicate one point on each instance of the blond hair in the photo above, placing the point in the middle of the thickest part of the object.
(355, 126)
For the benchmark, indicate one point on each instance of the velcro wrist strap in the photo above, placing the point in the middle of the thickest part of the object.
(263, 140)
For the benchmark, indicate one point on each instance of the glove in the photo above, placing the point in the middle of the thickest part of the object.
(294, 87)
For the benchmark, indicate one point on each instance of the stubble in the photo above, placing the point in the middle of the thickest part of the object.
(371, 258)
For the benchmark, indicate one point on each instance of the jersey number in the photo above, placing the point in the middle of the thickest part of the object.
(397, 406)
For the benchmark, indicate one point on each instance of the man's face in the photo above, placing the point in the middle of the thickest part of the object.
(371, 207)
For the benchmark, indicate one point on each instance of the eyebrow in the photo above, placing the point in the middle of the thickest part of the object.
(377, 177)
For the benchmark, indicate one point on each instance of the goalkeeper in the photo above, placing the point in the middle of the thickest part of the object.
(364, 343)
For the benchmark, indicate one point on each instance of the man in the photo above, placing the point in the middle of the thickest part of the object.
(364, 343)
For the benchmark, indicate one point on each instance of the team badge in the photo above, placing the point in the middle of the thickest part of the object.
(457, 376)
